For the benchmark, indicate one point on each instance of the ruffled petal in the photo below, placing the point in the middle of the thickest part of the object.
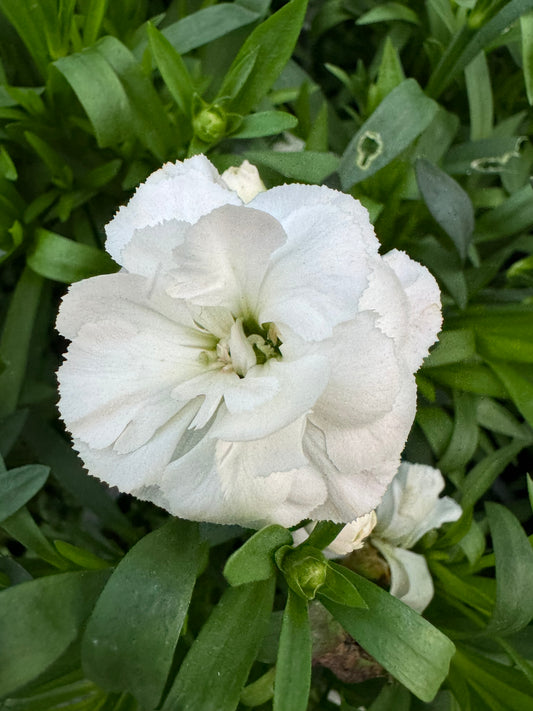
(423, 306)
(299, 384)
(149, 251)
(412, 507)
(315, 280)
(178, 191)
(411, 580)
(224, 257)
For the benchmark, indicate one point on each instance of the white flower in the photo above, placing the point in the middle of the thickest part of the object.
(249, 363)
(351, 538)
(410, 508)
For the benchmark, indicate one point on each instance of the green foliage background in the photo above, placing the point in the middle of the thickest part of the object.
(421, 110)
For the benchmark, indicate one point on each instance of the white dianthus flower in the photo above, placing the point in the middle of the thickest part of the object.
(250, 363)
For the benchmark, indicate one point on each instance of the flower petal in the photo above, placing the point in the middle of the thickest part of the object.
(299, 384)
(177, 191)
(315, 280)
(150, 248)
(224, 257)
(411, 580)
(412, 507)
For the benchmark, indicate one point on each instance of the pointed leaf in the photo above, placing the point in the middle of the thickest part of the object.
(131, 636)
(18, 486)
(402, 641)
(254, 560)
(293, 666)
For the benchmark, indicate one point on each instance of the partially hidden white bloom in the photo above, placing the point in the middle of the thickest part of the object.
(250, 363)
(352, 537)
(410, 508)
(244, 180)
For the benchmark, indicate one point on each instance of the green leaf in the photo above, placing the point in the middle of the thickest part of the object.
(392, 697)
(210, 23)
(495, 417)
(80, 557)
(15, 339)
(293, 666)
(339, 589)
(407, 645)
(463, 442)
(18, 486)
(216, 668)
(479, 480)
(402, 116)
(274, 41)
(323, 534)
(480, 101)
(39, 620)
(173, 70)
(518, 385)
(131, 636)
(7, 167)
(470, 41)
(387, 12)
(452, 347)
(530, 489)
(23, 529)
(526, 29)
(448, 203)
(254, 560)
(265, 123)
(514, 572)
(56, 257)
(27, 18)
(305, 166)
(94, 17)
(511, 217)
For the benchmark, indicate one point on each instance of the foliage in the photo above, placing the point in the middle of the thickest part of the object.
(422, 111)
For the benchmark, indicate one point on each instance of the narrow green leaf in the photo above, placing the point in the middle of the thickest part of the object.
(518, 385)
(259, 691)
(463, 442)
(530, 489)
(80, 556)
(39, 620)
(237, 74)
(293, 666)
(305, 166)
(339, 589)
(93, 21)
(514, 572)
(265, 123)
(173, 70)
(392, 697)
(402, 116)
(56, 257)
(18, 486)
(27, 19)
(23, 529)
(407, 645)
(15, 339)
(216, 668)
(452, 347)
(209, 24)
(323, 534)
(448, 203)
(131, 636)
(495, 417)
(254, 560)
(479, 480)
(7, 167)
(479, 94)
(274, 40)
(526, 28)
(470, 41)
(387, 12)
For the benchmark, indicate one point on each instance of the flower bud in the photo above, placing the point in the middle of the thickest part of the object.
(305, 569)
(210, 124)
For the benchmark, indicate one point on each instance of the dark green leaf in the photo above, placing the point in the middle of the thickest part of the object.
(216, 668)
(402, 116)
(339, 589)
(80, 557)
(387, 12)
(23, 529)
(518, 385)
(452, 347)
(514, 572)
(39, 620)
(513, 215)
(479, 97)
(62, 259)
(18, 486)
(526, 27)
(131, 636)
(463, 442)
(293, 666)
(173, 70)
(323, 534)
(305, 166)
(448, 203)
(16, 335)
(254, 560)
(402, 641)
(274, 41)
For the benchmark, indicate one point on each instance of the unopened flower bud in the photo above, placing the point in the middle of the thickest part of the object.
(305, 570)
(210, 124)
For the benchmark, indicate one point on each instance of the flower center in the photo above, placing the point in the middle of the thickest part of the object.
(246, 345)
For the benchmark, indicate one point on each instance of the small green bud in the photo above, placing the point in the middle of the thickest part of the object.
(305, 569)
(210, 124)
